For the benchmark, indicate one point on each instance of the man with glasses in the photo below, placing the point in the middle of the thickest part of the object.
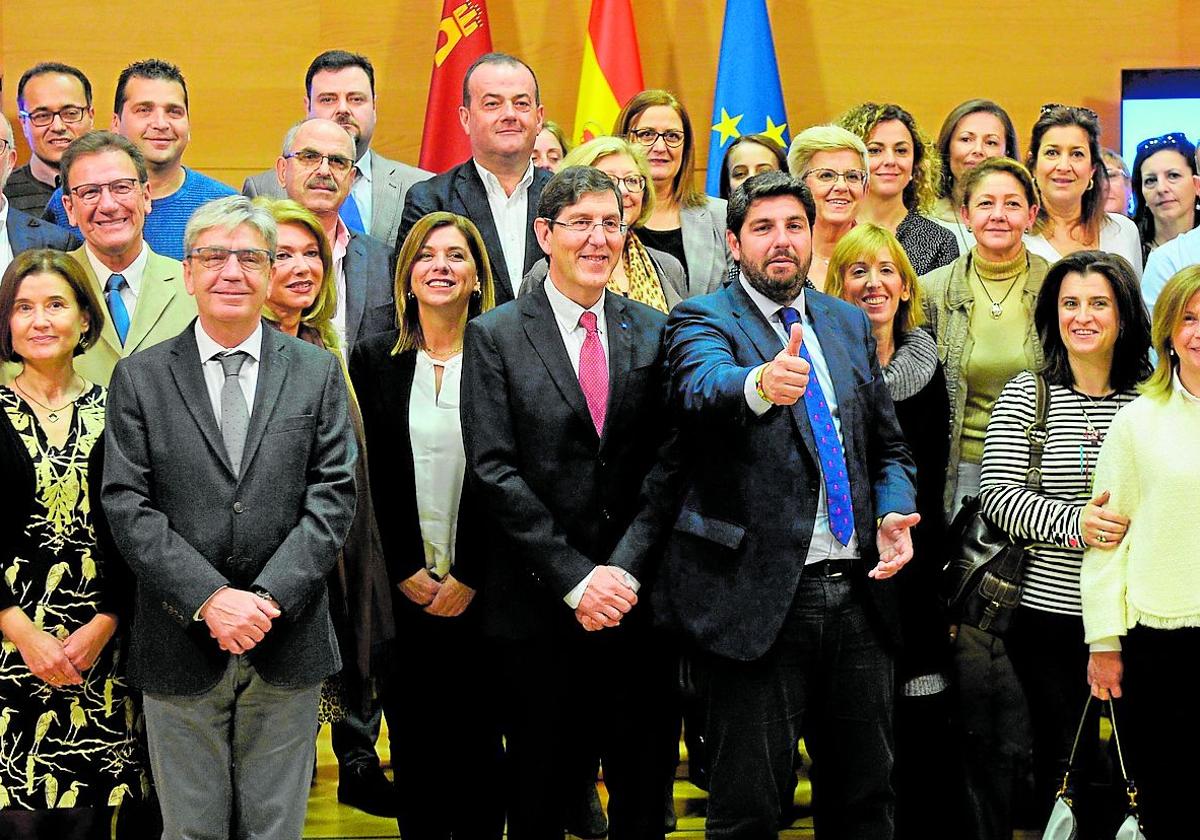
(229, 486)
(340, 86)
(499, 187)
(151, 110)
(107, 198)
(572, 370)
(316, 170)
(54, 103)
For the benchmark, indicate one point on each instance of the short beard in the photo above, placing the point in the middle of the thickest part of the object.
(782, 291)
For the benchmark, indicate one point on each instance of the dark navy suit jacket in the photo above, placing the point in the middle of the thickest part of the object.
(25, 232)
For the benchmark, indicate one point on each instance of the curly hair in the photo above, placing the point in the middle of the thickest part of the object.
(921, 193)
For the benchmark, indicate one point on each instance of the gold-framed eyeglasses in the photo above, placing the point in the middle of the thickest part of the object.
(311, 159)
(214, 258)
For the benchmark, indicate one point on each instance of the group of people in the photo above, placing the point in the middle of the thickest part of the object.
(539, 456)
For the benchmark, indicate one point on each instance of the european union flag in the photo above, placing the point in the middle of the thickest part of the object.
(749, 98)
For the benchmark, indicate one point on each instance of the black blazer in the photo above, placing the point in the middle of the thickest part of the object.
(383, 386)
(561, 499)
(25, 232)
(370, 306)
(460, 190)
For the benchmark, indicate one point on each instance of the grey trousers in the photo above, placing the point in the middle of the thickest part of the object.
(236, 761)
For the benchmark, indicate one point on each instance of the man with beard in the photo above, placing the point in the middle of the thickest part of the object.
(340, 86)
(796, 510)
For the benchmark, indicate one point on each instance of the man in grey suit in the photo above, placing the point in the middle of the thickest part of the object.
(340, 86)
(229, 486)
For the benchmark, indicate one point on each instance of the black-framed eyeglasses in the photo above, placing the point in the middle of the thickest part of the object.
(214, 258)
(118, 189)
(42, 117)
(829, 177)
(584, 226)
(1088, 112)
(311, 159)
(1170, 141)
(648, 137)
(629, 183)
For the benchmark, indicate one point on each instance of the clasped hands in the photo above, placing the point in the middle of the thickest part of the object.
(785, 378)
(445, 598)
(238, 619)
(606, 600)
(64, 662)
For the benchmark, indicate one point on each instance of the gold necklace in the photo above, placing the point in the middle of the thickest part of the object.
(443, 354)
(53, 415)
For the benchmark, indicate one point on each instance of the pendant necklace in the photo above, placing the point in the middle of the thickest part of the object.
(53, 415)
(997, 308)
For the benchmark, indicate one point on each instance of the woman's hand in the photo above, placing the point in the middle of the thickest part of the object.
(420, 588)
(1104, 673)
(46, 657)
(451, 599)
(84, 645)
(1102, 528)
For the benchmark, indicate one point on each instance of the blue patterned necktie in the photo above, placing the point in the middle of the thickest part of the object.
(116, 306)
(829, 446)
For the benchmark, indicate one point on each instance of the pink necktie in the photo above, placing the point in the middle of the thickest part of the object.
(593, 371)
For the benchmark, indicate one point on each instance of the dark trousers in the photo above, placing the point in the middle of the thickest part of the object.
(926, 768)
(574, 694)
(827, 678)
(1158, 728)
(447, 756)
(353, 737)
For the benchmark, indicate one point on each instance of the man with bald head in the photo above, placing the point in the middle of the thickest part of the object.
(316, 170)
(20, 231)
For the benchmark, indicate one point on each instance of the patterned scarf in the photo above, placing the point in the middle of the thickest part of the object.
(912, 365)
(644, 285)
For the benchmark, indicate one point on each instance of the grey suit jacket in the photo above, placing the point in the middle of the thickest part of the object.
(188, 525)
(370, 307)
(705, 246)
(390, 181)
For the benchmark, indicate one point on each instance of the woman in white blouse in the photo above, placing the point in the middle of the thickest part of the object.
(407, 382)
(1065, 159)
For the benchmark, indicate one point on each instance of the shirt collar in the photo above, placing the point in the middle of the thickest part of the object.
(1184, 392)
(492, 184)
(132, 272)
(769, 308)
(3, 210)
(209, 347)
(567, 311)
(363, 165)
(341, 240)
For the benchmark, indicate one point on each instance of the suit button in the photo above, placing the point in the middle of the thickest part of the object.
(238, 507)
(603, 463)
(607, 516)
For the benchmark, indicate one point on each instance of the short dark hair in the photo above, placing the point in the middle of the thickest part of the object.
(100, 141)
(334, 60)
(569, 185)
(1131, 355)
(950, 127)
(48, 261)
(148, 68)
(763, 140)
(1142, 216)
(766, 185)
(497, 58)
(53, 67)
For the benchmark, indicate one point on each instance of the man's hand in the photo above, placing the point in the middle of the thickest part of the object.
(1104, 673)
(606, 600)
(785, 378)
(420, 588)
(453, 596)
(1102, 528)
(894, 541)
(84, 645)
(238, 619)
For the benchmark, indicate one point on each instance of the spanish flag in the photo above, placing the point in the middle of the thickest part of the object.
(612, 69)
(463, 36)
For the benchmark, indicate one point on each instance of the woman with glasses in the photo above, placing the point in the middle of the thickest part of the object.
(832, 162)
(684, 223)
(550, 147)
(1165, 202)
(1064, 157)
(1118, 196)
(904, 183)
(747, 156)
(644, 274)
(973, 132)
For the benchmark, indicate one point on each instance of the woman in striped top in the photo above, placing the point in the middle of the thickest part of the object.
(1095, 335)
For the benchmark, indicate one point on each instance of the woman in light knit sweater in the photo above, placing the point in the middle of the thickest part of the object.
(980, 311)
(1096, 337)
(1141, 601)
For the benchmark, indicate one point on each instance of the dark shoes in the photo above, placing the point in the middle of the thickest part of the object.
(367, 789)
(584, 815)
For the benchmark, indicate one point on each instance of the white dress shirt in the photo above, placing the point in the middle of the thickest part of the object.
(132, 274)
(6, 254)
(214, 374)
(339, 245)
(439, 459)
(566, 315)
(510, 215)
(824, 545)
(361, 189)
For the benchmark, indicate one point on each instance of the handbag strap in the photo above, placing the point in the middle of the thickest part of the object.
(1062, 790)
(1037, 433)
(1130, 787)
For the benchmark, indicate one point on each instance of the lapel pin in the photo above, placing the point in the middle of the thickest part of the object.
(624, 326)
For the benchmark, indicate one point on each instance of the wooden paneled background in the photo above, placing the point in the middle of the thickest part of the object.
(245, 59)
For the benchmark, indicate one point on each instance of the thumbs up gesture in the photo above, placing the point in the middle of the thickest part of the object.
(785, 378)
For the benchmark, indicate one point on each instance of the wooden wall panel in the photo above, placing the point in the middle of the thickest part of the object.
(245, 61)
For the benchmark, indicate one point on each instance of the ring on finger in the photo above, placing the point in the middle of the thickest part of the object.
(1103, 537)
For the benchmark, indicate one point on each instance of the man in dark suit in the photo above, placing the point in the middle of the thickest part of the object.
(340, 86)
(21, 231)
(499, 187)
(776, 569)
(564, 414)
(229, 485)
(316, 172)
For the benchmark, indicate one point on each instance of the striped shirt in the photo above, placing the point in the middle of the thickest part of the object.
(1050, 519)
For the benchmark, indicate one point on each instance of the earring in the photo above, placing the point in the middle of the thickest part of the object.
(1091, 181)
(477, 293)
(83, 343)
(411, 296)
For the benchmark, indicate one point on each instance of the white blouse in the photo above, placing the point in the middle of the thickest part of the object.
(438, 457)
(1118, 235)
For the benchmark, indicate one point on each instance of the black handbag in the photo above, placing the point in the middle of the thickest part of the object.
(981, 582)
